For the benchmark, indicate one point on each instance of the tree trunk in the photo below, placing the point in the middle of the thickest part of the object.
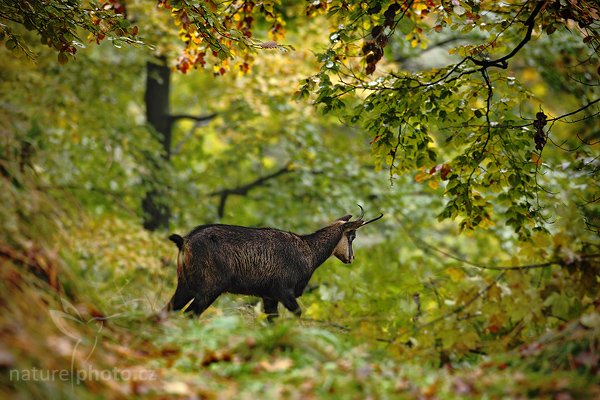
(158, 75)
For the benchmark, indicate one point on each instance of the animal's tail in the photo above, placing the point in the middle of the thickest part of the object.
(178, 240)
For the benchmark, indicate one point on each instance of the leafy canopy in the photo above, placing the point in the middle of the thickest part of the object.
(471, 126)
(470, 123)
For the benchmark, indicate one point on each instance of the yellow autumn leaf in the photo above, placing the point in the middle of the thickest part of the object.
(455, 274)
(422, 177)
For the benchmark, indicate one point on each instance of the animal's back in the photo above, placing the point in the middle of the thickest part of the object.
(245, 260)
(239, 236)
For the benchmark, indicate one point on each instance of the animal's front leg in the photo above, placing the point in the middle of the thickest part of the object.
(289, 301)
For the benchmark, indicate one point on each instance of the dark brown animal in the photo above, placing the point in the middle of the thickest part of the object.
(265, 262)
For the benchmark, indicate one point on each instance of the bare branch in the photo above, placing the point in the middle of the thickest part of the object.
(200, 121)
(197, 118)
(243, 190)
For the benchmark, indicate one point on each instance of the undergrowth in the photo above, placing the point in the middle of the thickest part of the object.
(94, 333)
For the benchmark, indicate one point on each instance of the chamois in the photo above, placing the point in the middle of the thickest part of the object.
(269, 263)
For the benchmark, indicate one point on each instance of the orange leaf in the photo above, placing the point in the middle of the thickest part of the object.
(421, 177)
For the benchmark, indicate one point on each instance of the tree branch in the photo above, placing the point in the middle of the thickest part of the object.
(243, 190)
(429, 248)
(484, 64)
(591, 103)
(200, 118)
(502, 61)
(559, 119)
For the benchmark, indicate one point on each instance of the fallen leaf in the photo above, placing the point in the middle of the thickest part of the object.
(178, 388)
(280, 364)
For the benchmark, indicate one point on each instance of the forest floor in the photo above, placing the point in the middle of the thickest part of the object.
(82, 325)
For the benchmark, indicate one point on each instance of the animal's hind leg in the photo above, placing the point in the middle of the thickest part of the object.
(180, 299)
(202, 302)
(199, 302)
(270, 307)
(289, 301)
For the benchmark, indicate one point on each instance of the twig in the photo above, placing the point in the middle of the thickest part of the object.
(591, 103)
(458, 309)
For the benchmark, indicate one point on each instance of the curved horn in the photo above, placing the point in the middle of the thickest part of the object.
(362, 213)
(372, 220)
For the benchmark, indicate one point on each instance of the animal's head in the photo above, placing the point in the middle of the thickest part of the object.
(343, 250)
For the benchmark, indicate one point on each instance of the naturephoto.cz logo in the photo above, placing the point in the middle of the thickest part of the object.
(78, 375)
(64, 320)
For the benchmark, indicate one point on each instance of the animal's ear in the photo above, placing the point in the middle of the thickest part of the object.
(345, 218)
